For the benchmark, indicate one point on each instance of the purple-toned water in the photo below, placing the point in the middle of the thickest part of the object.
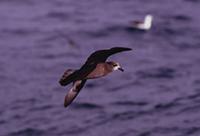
(157, 95)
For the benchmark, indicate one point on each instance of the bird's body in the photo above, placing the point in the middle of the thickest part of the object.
(95, 67)
(102, 69)
(143, 25)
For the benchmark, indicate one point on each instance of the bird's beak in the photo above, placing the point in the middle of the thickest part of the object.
(121, 69)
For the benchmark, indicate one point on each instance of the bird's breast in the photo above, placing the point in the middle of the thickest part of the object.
(100, 70)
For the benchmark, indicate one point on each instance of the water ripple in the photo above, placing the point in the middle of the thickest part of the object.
(27, 132)
(161, 72)
(89, 106)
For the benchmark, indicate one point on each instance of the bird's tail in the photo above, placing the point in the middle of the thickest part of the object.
(68, 77)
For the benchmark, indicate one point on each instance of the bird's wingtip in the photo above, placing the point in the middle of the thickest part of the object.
(122, 48)
(65, 105)
(128, 49)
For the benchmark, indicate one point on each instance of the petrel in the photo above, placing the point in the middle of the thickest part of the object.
(96, 66)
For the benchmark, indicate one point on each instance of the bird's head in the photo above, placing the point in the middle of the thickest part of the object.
(115, 66)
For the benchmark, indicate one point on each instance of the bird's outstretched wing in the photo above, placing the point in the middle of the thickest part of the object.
(90, 64)
(73, 92)
(102, 55)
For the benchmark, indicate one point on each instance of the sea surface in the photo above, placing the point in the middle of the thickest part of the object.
(157, 95)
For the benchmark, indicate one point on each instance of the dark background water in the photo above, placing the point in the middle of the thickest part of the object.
(157, 95)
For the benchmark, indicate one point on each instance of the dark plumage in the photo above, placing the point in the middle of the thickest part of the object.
(94, 67)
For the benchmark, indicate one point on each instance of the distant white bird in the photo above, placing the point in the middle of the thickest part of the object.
(145, 25)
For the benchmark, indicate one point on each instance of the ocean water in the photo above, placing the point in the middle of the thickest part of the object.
(157, 95)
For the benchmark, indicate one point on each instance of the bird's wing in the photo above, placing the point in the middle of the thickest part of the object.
(73, 92)
(102, 55)
(117, 50)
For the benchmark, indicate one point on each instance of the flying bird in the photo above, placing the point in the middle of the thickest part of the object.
(143, 25)
(95, 66)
